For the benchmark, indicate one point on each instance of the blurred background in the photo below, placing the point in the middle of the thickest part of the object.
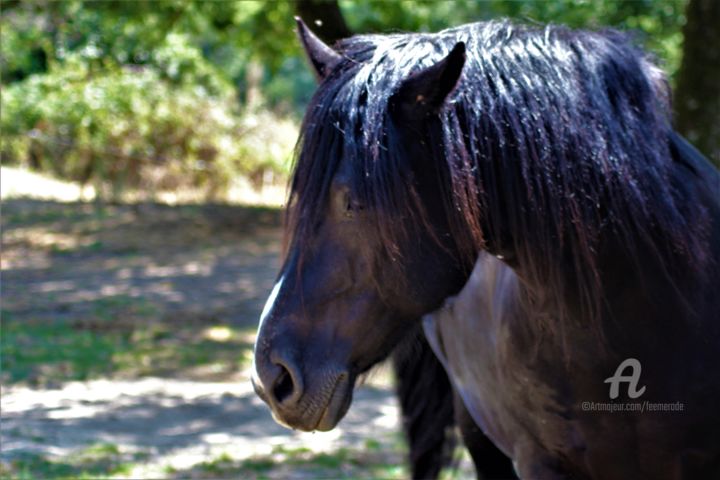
(145, 149)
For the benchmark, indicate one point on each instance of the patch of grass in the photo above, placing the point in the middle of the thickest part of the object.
(32, 466)
(24, 213)
(91, 247)
(77, 349)
(388, 471)
(291, 451)
(302, 462)
(56, 351)
(257, 465)
(372, 445)
(99, 460)
(161, 350)
(119, 335)
(323, 460)
(217, 465)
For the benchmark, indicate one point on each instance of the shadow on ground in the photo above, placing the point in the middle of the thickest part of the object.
(127, 335)
(197, 261)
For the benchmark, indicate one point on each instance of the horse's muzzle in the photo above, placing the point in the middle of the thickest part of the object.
(318, 402)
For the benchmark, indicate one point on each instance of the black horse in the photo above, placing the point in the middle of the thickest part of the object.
(430, 409)
(548, 153)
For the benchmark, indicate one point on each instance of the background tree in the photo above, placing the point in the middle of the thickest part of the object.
(325, 18)
(697, 97)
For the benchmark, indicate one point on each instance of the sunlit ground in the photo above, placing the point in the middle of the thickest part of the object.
(22, 183)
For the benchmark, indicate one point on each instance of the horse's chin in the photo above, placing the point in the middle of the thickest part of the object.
(337, 406)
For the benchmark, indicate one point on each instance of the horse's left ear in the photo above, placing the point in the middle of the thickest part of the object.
(424, 92)
(322, 57)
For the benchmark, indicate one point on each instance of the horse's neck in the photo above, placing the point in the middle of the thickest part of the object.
(640, 288)
(642, 304)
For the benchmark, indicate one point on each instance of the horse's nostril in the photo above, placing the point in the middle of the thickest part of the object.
(280, 377)
(283, 387)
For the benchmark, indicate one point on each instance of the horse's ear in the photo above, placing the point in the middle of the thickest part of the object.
(424, 92)
(322, 57)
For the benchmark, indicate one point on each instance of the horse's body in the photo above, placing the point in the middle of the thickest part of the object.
(548, 156)
(537, 407)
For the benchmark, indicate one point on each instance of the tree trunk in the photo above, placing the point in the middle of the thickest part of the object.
(697, 96)
(253, 78)
(324, 18)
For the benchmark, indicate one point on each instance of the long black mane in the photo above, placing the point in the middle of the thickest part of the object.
(558, 136)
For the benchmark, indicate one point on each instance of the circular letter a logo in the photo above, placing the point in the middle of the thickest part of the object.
(631, 379)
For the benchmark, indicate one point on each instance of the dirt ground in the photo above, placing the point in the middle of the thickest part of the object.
(87, 391)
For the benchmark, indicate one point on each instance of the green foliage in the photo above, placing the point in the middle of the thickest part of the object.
(153, 94)
(658, 24)
(131, 127)
(136, 95)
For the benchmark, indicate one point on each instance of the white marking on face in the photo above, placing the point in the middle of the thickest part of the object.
(270, 302)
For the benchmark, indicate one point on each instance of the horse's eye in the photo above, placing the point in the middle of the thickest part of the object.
(351, 206)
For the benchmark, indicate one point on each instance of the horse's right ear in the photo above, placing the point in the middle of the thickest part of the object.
(322, 57)
(424, 92)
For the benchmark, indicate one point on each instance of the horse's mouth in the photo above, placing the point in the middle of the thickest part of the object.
(337, 405)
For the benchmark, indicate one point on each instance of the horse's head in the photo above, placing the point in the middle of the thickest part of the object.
(370, 249)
